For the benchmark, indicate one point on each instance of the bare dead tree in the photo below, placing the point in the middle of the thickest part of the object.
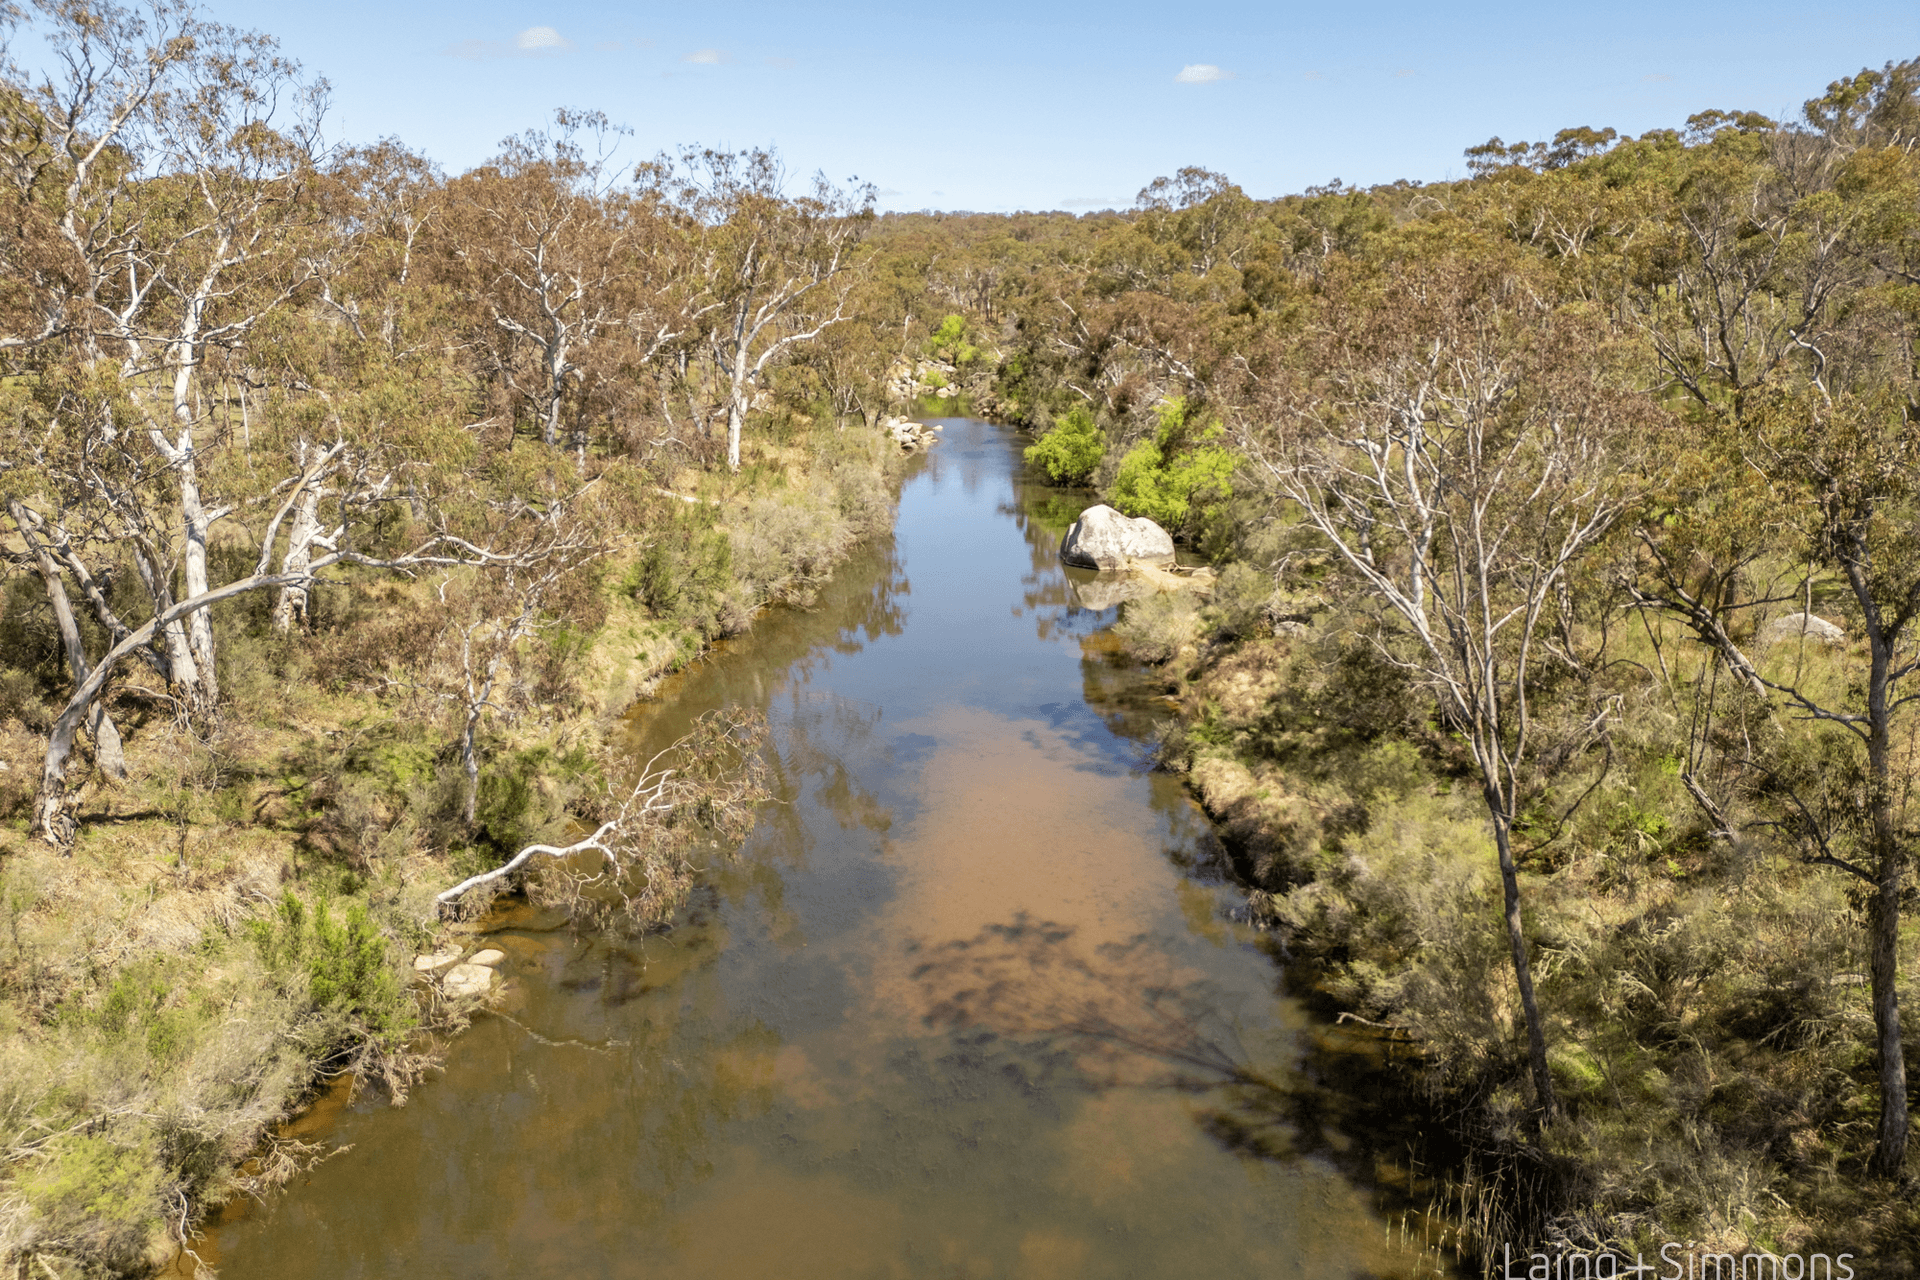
(638, 859)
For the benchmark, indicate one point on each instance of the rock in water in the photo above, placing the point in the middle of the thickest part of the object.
(1102, 538)
(489, 957)
(1104, 592)
(469, 980)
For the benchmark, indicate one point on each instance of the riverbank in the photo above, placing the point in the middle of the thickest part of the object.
(1704, 995)
(237, 920)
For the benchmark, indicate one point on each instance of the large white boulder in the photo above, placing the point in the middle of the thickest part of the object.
(1795, 625)
(1102, 538)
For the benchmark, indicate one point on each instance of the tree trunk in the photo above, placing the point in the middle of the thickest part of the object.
(1544, 1096)
(737, 382)
(204, 695)
(1883, 925)
(108, 752)
(53, 807)
(1890, 1138)
(291, 607)
(470, 764)
(734, 418)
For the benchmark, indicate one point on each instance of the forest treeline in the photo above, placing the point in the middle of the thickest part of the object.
(1558, 690)
(1554, 693)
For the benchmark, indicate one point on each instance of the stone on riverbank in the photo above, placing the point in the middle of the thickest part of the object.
(1102, 538)
(489, 957)
(911, 435)
(438, 960)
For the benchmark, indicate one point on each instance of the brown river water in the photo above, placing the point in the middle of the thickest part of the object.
(975, 1001)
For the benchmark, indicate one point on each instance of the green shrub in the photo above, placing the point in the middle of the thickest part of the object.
(94, 1197)
(344, 965)
(949, 342)
(1071, 451)
(1164, 478)
(1154, 628)
(1238, 606)
(349, 970)
(684, 571)
(785, 547)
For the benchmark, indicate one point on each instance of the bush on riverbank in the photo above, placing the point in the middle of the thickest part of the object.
(237, 919)
(1707, 1030)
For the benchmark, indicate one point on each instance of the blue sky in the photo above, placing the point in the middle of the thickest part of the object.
(1042, 105)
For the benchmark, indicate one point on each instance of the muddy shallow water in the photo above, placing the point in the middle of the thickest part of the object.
(972, 1002)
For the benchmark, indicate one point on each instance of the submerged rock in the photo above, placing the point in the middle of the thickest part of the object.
(1105, 592)
(469, 980)
(1102, 538)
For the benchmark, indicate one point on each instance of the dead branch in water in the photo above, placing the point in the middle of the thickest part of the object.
(637, 861)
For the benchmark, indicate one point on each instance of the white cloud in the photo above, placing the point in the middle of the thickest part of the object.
(1655, 77)
(1088, 202)
(1405, 73)
(781, 63)
(1201, 73)
(706, 57)
(534, 42)
(540, 39)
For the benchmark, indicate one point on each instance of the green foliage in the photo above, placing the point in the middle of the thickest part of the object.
(1155, 628)
(96, 1197)
(785, 546)
(1180, 470)
(949, 342)
(1238, 607)
(138, 1007)
(343, 967)
(1071, 451)
(683, 574)
(522, 796)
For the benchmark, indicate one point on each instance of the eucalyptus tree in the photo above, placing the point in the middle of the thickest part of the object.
(779, 270)
(1832, 481)
(176, 153)
(1781, 318)
(1207, 216)
(1458, 450)
(545, 245)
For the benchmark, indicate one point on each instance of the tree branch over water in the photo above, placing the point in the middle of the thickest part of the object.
(638, 860)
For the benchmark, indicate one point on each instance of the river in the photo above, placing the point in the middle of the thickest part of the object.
(973, 1002)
